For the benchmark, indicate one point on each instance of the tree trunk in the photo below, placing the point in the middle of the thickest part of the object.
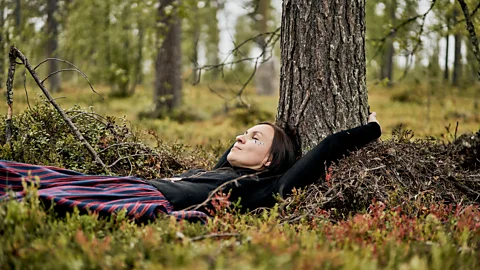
(457, 65)
(266, 77)
(213, 36)
(457, 55)
(471, 30)
(168, 82)
(195, 36)
(138, 77)
(18, 15)
(387, 61)
(52, 44)
(110, 77)
(261, 17)
(447, 47)
(322, 88)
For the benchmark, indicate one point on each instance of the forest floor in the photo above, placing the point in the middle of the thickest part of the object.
(426, 235)
(211, 113)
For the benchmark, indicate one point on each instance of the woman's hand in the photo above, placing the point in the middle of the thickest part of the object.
(373, 117)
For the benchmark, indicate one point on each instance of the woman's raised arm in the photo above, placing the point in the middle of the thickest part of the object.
(312, 166)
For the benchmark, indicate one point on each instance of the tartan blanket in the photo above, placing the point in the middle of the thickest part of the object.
(103, 195)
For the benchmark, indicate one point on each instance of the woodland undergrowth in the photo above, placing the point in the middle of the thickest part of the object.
(395, 203)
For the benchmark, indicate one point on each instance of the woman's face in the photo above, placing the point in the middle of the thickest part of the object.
(252, 148)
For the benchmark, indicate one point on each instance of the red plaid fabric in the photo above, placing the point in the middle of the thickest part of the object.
(89, 193)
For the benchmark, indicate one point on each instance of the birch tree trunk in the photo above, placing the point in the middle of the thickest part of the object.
(322, 87)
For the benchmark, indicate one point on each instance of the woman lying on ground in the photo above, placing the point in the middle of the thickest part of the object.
(262, 162)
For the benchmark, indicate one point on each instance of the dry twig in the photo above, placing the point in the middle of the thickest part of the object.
(14, 54)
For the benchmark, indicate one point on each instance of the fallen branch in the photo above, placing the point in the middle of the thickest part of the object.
(14, 54)
(75, 68)
(215, 235)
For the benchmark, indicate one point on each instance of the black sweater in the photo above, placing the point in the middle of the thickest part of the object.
(258, 189)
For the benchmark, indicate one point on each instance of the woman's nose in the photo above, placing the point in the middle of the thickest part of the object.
(240, 139)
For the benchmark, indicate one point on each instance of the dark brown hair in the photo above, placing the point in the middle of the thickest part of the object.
(282, 151)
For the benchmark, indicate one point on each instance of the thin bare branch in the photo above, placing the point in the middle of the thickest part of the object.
(221, 187)
(401, 25)
(9, 84)
(129, 156)
(25, 87)
(436, 29)
(58, 71)
(272, 39)
(419, 42)
(75, 69)
(15, 53)
(471, 31)
(123, 144)
(214, 235)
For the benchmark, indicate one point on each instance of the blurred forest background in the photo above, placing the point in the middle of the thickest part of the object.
(198, 72)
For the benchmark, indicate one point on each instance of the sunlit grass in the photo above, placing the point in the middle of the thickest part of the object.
(372, 239)
(432, 114)
(426, 116)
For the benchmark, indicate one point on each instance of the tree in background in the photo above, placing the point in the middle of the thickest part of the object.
(254, 55)
(443, 27)
(384, 35)
(201, 38)
(192, 31)
(386, 68)
(323, 87)
(457, 53)
(21, 26)
(52, 43)
(212, 35)
(109, 37)
(266, 77)
(168, 69)
(113, 40)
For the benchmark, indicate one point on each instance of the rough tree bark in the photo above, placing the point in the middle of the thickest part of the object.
(52, 44)
(322, 87)
(168, 83)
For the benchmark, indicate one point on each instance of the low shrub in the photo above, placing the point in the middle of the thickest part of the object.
(41, 136)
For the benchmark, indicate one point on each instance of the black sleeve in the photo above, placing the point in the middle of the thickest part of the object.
(223, 158)
(312, 166)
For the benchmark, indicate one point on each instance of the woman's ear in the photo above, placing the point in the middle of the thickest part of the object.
(267, 164)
